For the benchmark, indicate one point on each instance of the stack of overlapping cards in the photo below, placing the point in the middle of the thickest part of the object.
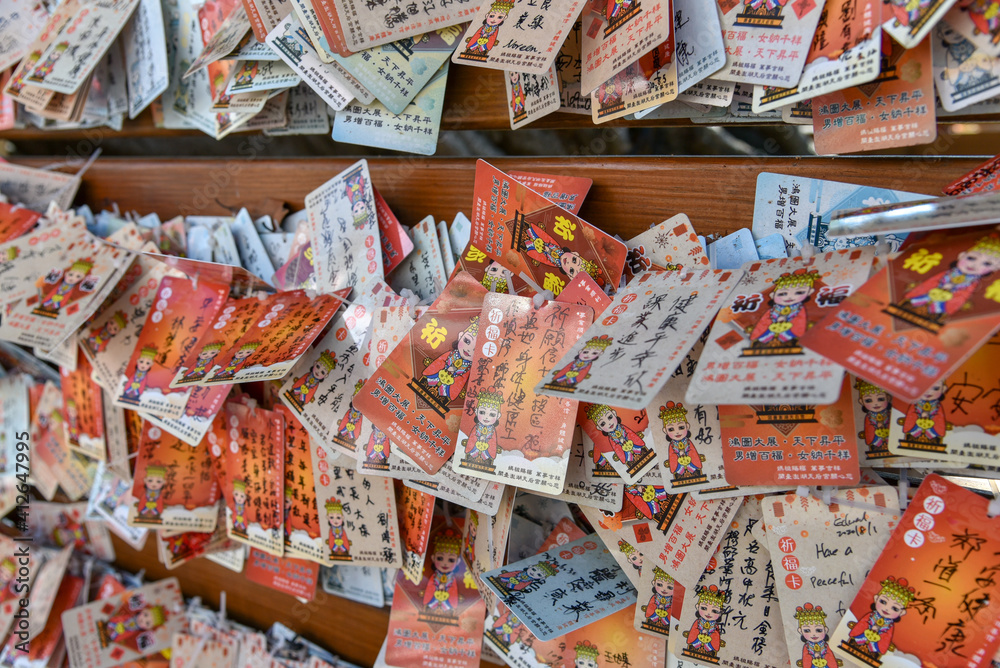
(335, 389)
(864, 75)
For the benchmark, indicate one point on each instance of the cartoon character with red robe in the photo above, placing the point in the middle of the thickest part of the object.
(151, 504)
(586, 655)
(238, 360)
(57, 290)
(479, 44)
(441, 590)
(627, 445)
(785, 320)
(683, 458)
(815, 634)
(872, 634)
(350, 425)
(496, 278)
(72, 422)
(925, 419)
(481, 446)
(516, 94)
(985, 16)
(99, 338)
(338, 542)
(70, 532)
(355, 190)
(45, 69)
(632, 555)
(520, 580)
(657, 611)
(507, 627)
(18, 82)
(239, 512)
(705, 635)
(542, 248)
(949, 292)
(202, 363)
(136, 385)
(133, 625)
(304, 389)
(579, 368)
(448, 374)
(647, 498)
(877, 406)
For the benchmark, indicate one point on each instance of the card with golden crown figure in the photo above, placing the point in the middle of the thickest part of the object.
(233, 321)
(654, 610)
(83, 409)
(822, 553)
(955, 420)
(754, 351)
(317, 390)
(303, 537)
(928, 599)
(247, 445)
(732, 612)
(494, 276)
(179, 315)
(443, 608)
(126, 626)
(509, 434)
(538, 240)
(174, 485)
(287, 326)
(66, 292)
(416, 396)
(357, 513)
(622, 360)
(919, 317)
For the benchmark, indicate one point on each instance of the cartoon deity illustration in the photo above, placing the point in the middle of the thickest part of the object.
(925, 422)
(246, 75)
(377, 451)
(356, 195)
(779, 328)
(59, 289)
(948, 292)
(816, 653)
(519, 580)
(339, 543)
(579, 368)
(99, 338)
(907, 11)
(517, 96)
(239, 359)
(648, 499)
(151, 505)
(136, 385)
(871, 636)
(203, 362)
(469, 543)
(72, 422)
(683, 457)
(70, 532)
(350, 425)
(769, 6)
(985, 16)
(508, 628)
(497, 278)
(967, 69)
(8, 583)
(478, 46)
(657, 610)
(9, 255)
(704, 639)
(303, 391)
(448, 374)
(441, 590)
(877, 406)
(627, 445)
(482, 446)
(632, 555)
(45, 69)
(240, 507)
(18, 82)
(133, 625)
(289, 44)
(609, 94)
(586, 655)
(541, 248)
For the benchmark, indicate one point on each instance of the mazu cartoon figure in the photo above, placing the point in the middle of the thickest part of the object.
(350, 425)
(448, 374)
(683, 457)
(303, 391)
(99, 338)
(136, 385)
(238, 361)
(816, 653)
(779, 328)
(872, 634)
(657, 610)
(479, 44)
(579, 368)
(925, 421)
(632, 555)
(57, 290)
(519, 580)
(540, 247)
(877, 406)
(151, 505)
(481, 446)
(240, 507)
(133, 625)
(339, 543)
(441, 590)
(704, 638)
